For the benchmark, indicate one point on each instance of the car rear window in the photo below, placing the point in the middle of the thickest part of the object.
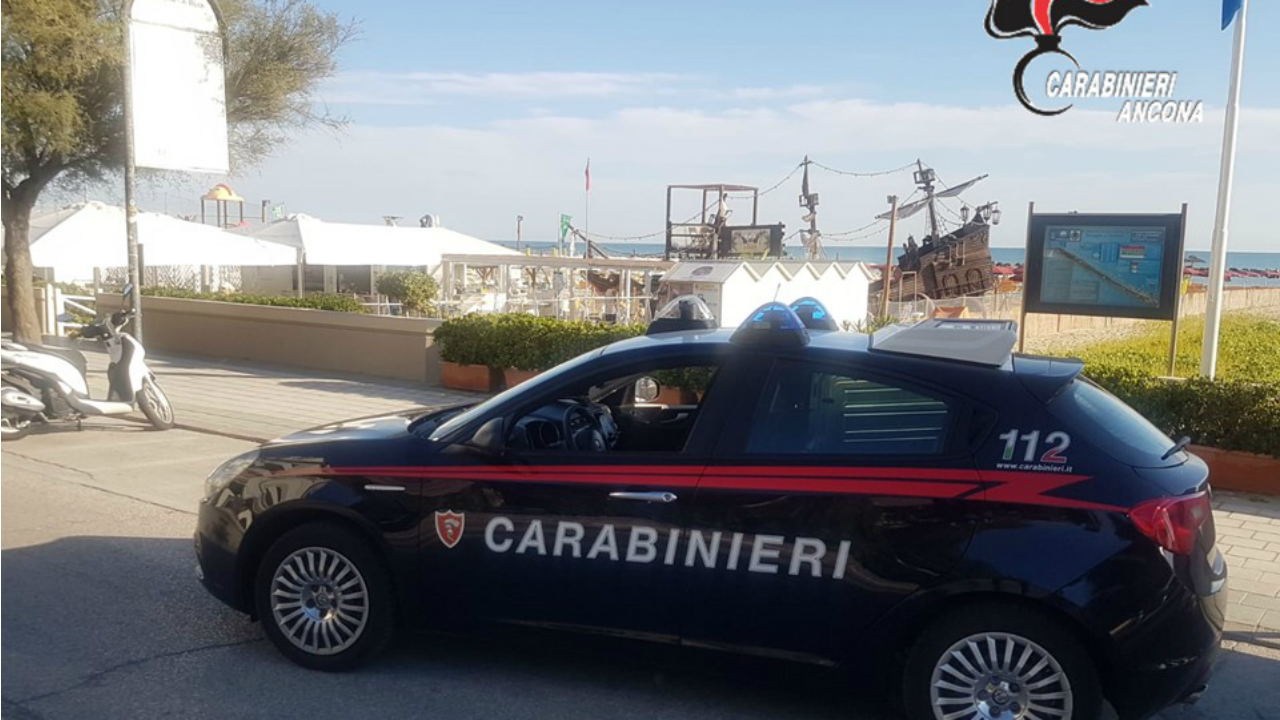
(1114, 427)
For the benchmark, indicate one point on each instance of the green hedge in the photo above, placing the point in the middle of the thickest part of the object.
(1225, 414)
(338, 303)
(1240, 410)
(524, 342)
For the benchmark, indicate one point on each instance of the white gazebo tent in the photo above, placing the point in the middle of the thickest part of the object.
(76, 241)
(330, 249)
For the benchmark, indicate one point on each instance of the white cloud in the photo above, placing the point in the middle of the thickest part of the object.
(773, 93)
(424, 88)
(479, 178)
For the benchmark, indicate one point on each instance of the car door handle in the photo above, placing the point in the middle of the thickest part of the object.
(664, 497)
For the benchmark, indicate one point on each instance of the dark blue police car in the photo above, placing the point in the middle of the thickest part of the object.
(991, 532)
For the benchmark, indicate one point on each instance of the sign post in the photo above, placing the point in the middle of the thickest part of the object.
(175, 102)
(1104, 265)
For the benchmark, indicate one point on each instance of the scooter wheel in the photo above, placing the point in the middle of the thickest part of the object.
(155, 404)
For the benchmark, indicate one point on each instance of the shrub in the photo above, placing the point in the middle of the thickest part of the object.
(337, 303)
(1225, 414)
(415, 290)
(524, 342)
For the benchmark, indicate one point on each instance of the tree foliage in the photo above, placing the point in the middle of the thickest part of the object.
(62, 90)
(415, 290)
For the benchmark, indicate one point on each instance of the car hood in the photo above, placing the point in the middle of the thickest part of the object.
(373, 427)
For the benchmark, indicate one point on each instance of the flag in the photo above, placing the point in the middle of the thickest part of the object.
(588, 174)
(566, 222)
(1229, 10)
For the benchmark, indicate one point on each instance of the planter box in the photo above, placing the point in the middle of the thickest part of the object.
(476, 378)
(677, 396)
(512, 377)
(1241, 471)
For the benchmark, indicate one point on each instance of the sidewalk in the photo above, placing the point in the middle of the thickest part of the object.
(260, 403)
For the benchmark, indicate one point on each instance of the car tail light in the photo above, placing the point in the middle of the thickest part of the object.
(1173, 521)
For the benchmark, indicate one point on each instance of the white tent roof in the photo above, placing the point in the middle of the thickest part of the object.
(331, 243)
(77, 239)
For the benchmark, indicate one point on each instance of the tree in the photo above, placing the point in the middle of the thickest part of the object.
(62, 116)
(414, 290)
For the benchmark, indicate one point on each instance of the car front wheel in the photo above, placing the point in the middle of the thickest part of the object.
(1000, 663)
(324, 597)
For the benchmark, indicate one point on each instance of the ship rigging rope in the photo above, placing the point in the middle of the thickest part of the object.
(862, 174)
(844, 233)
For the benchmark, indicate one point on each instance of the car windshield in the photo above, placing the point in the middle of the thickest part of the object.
(450, 426)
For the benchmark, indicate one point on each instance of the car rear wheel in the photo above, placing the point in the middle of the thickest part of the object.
(324, 597)
(1000, 663)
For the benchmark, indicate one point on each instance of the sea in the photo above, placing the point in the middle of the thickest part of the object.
(1008, 256)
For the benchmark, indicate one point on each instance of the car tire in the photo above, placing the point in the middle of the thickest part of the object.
(155, 404)
(957, 651)
(324, 597)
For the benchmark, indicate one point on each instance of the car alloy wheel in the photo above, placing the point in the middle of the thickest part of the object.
(319, 600)
(999, 676)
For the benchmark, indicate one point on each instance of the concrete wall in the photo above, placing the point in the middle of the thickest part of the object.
(382, 346)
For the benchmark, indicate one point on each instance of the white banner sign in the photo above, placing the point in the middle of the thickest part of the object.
(178, 86)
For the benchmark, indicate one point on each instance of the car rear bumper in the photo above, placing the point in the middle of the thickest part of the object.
(1172, 658)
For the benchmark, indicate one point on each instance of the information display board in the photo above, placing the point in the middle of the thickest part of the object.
(1110, 265)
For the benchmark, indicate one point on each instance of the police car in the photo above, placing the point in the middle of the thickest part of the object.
(992, 533)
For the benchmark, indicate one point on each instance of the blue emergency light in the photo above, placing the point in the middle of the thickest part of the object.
(771, 324)
(814, 314)
(687, 312)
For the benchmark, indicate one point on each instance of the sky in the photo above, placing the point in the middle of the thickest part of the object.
(482, 111)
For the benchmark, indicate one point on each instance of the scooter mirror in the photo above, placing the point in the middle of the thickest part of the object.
(66, 318)
(127, 291)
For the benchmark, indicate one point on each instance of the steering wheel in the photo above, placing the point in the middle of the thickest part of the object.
(586, 428)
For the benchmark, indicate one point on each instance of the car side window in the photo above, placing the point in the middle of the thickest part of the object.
(646, 409)
(809, 409)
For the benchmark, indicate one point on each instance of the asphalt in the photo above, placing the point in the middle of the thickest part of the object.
(103, 618)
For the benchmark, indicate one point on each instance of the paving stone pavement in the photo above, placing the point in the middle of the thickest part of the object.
(258, 402)
(1249, 536)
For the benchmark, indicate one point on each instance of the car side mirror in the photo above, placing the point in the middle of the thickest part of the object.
(489, 437)
(647, 389)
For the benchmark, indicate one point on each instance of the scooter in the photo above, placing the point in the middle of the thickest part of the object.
(50, 384)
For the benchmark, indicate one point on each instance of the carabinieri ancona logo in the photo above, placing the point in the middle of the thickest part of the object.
(1044, 20)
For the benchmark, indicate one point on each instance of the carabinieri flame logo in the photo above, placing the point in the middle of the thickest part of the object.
(1044, 20)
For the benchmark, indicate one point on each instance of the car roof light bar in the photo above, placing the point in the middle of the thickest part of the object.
(982, 342)
(687, 312)
(814, 314)
(772, 324)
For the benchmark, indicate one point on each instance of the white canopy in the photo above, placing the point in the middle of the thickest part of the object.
(75, 240)
(331, 243)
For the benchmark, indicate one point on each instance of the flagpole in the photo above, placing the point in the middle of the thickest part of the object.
(1218, 254)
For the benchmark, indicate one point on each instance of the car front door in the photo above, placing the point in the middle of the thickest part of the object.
(831, 499)
(577, 537)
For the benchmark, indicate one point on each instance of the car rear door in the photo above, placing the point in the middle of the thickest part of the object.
(834, 495)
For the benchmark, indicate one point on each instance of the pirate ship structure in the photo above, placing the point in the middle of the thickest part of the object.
(945, 264)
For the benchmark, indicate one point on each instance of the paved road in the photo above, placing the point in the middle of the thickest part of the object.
(102, 617)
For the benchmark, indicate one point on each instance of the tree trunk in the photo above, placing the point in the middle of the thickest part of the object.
(18, 285)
